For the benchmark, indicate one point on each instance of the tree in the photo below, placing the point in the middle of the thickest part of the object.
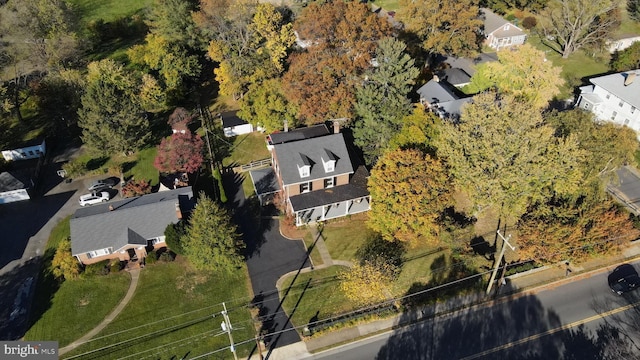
(410, 191)
(59, 96)
(266, 106)
(111, 117)
(383, 100)
(64, 264)
(633, 9)
(419, 131)
(211, 241)
(180, 153)
(366, 283)
(136, 188)
(173, 235)
(180, 116)
(608, 146)
(596, 228)
(627, 59)
(249, 41)
(523, 73)
(443, 27)
(322, 79)
(502, 154)
(575, 24)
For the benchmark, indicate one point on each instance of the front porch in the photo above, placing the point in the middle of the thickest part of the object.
(332, 211)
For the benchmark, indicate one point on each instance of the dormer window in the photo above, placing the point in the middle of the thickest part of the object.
(304, 167)
(329, 161)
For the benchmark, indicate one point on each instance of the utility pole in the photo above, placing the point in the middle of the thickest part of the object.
(206, 134)
(505, 241)
(226, 327)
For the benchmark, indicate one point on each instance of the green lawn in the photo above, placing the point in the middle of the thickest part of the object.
(387, 4)
(65, 312)
(315, 254)
(108, 10)
(243, 149)
(172, 315)
(321, 299)
(344, 237)
(143, 167)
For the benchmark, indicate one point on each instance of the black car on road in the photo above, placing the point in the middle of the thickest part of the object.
(623, 279)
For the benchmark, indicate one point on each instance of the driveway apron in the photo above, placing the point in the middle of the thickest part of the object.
(269, 256)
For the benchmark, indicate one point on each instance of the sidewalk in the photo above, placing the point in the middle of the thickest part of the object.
(521, 284)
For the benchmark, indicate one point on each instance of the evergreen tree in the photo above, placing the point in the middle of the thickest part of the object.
(111, 118)
(211, 241)
(382, 102)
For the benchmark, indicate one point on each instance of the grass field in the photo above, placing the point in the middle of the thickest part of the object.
(65, 312)
(108, 10)
(172, 315)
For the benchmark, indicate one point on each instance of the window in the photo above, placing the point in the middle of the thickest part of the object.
(304, 170)
(305, 187)
(329, 182)
(608, 96)
(633, 109)
(329, 166)
(586, 106)
(613, 115)
(626, 121)
(620, 104)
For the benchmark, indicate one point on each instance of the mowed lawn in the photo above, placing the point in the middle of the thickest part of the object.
(108, 10)
(175, 312)
(64, 312)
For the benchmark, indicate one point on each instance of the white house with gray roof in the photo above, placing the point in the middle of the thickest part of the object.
(500, 33)
(125, 229)
(317, 175)
(614, 98)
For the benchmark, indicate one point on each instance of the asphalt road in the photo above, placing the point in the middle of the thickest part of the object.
(557, 323)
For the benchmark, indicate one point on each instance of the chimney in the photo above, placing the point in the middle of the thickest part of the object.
(286, 126)
(336, 127)
(628, 80)
(110, 207)
(436, 78)
(178, 211)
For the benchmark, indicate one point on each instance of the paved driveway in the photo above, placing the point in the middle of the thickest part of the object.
(269, 256)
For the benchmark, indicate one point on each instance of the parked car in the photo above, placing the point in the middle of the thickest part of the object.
(94, 198)
(623, 279)
(102, 185)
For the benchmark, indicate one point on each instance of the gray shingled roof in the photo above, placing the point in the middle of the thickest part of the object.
(290, 157)
(132, 221)
(357, 188)
(454, 76)
(231, 119)
(493, 22)
(435, 92)
(614, 84)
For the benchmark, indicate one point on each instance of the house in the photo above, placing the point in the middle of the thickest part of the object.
(232, 125)
(317, 176)
(127, 229)
(30, 150)
(614, 98)
(500, 33)
(454, 76)
(15, 185)
(439, 97)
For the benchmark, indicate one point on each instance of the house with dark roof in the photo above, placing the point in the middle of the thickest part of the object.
(317, 175)
(614, 98)
(500, 33)
(127, 229)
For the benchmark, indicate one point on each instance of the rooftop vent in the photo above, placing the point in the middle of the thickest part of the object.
(628, 80)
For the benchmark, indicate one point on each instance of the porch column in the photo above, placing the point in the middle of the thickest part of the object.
(346, 206)
(323, 211)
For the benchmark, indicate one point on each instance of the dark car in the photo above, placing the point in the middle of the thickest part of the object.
(102, 185)
(624, 279)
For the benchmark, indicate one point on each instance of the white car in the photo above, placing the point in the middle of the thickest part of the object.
(94, 198)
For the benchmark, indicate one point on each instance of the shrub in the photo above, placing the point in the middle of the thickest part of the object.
(172, 234)
(167, 256)
(115, 266)
(75, 168)
(529, 22)
(136, 188)
(151, 258)
(99, 268)
(64, 264)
